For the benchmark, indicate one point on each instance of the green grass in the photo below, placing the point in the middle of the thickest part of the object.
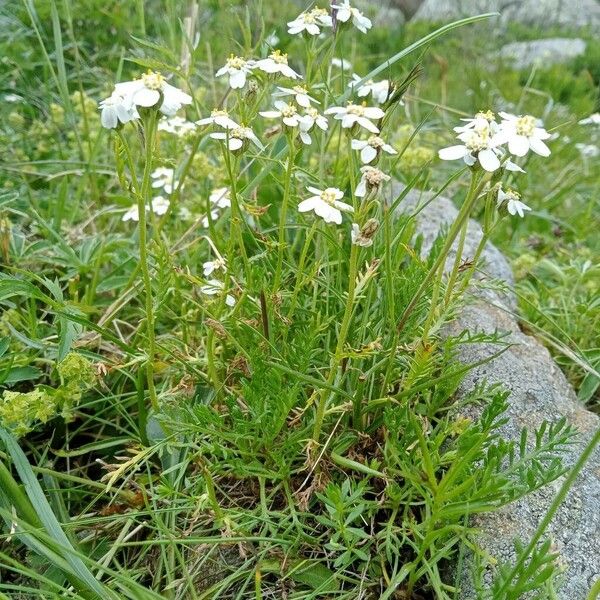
(301, 442)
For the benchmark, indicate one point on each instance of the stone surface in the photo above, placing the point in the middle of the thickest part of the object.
(539, 391)
(542, 52)
(542, 13)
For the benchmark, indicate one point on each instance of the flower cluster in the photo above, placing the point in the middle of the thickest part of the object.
(150, 91)
(489, 144)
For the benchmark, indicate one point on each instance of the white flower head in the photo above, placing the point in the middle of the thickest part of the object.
(277, 62)
(341, 63)
(214, 287)
(511, 201)
(209, 267)
(160, 205)
(237, 139)
(164, 177)
(132, 214)
(310, 21)
(591, 120)
(220, 198)
(588, 150)
(345, 13)
(300, 94)
(370, 149)
(288, 113)
(360, 114)
(478, 146)
(379, 90)
(371, 181)
(482, 121)
(237, 68)
(218, 117)
(326, 204)
(311, 118)
(522, 134)
(177, 126)
(116, 109)
(147, 92)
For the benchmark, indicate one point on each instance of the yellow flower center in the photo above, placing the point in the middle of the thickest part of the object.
(300, 89)
(328, 196)
(289, 110)
(355, 109)
(236, 62)
(309, 18)
(477, 141)
(374, 177)
(526, 125)
(375, 142)
(488, 115)
(153, 80)
(313, 113)
(279, 58)
(512, 195)
(219, 113)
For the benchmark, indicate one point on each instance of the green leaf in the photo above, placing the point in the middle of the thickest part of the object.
(17, 374)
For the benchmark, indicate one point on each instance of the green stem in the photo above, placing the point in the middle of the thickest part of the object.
(300, 270)
(462, 216)
(337, 358)
(283, 214)
(142, 199)
(457, 260)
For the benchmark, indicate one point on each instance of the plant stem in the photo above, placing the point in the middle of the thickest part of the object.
(461, 218)
(337, 358)
(283, 213)
(142, 199)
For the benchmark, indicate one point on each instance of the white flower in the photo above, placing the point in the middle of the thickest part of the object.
(115, 110)
(220, 198)
(371, 148)
(345, 12)
(164, 178)
(309, 120)
(341, 63)
(356, 113)
(300, 94)
(326, 204)
(276, 63)
(371, 181)
(237, 68)
(288, 113)
(176, 125)
(220, 118)
(149, 90)
(214, 287)
(475, 147)
(211, 266)
(238, 138)
(311, 22)
(214, 215)
(588, 150)
(272, 39)
(522, 134)
(511, 200)
(132, 214)
(160, 205)
(591, 120)
(379, 90)
(480, 122)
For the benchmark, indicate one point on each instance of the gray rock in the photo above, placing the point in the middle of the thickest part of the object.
(542, 52)
(539, 392)
(542, 13)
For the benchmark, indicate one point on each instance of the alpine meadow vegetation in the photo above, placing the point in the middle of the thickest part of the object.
(222, 368)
